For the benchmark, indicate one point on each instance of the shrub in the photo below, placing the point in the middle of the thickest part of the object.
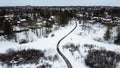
(46, 65)
(72, 48)
(23, 41)
(102, 59)
(21, 57)
(90, 46)
(52, 35)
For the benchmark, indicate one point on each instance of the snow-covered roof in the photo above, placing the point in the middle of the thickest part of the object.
(22, 19)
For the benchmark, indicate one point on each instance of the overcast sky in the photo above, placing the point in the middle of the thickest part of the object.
(60, 2)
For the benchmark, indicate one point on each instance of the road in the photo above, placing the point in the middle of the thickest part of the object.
(60, 53)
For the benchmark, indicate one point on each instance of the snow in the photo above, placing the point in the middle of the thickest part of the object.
(42, 43)
(50, 42)
(23, 20)
(80, 36)
(87, 37)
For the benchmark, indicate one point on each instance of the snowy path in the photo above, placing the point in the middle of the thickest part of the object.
(65, 59)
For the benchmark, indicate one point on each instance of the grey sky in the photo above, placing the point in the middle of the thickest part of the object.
(60, 2)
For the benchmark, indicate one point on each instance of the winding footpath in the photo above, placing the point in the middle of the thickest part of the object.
(65, 59)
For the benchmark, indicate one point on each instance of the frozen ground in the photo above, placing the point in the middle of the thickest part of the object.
(91, 34)
(48, 44)
(83, 34)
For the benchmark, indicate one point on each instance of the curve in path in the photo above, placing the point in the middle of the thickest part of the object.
(65, 59)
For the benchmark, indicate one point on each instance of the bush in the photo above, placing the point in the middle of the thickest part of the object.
(52, 35)
(102, 59)
(72, 48)
(23, 41)
(90, 46)
(46, 65)
(21, 57)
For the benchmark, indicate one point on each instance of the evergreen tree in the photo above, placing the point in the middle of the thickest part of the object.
(64, 18)
(117, 40)
(107, 34)
(8, 30)
(2, 18)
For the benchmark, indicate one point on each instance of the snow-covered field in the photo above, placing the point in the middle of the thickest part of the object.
(48, 44)
(83, 34)
(91, 34)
